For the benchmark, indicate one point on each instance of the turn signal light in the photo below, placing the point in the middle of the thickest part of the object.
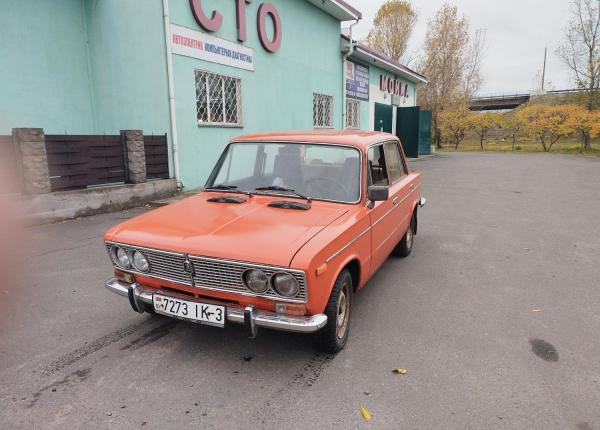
(290, 309)
(125, 277)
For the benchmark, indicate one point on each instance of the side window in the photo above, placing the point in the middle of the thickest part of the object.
(378, 174)
(394, 161)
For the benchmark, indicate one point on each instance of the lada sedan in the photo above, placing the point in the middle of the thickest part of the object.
(288, 227)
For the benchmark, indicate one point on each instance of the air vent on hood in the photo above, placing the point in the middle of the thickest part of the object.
(227, 199)
(290, 205)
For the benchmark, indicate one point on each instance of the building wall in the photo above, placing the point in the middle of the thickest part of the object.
(83, 66)
(277, 95)
(44, 72)
(367, 108)
(378, 96)
(127, 56)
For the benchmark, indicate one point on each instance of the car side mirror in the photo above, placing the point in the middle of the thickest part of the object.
(378, 193)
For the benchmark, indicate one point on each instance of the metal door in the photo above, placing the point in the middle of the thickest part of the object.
(384, 115)
(407, 129)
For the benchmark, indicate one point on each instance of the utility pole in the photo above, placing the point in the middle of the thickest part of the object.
(544, 69)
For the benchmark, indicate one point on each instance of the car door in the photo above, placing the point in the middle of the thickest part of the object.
(381, 223)
(400, 190)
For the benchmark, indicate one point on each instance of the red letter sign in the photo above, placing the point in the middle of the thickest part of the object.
(241, 18)
(209, 24)
(264, 10)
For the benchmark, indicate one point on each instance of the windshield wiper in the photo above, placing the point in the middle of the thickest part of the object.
(283, 189)
(227, 189)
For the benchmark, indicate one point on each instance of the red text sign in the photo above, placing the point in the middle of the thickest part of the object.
(393, 86)
(213, 21)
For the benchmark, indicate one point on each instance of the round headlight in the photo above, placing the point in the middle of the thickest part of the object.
(140, 262)
(256, 280)
(120, 257)
(285, 284)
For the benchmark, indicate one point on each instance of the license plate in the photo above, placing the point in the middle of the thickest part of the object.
(192, 311)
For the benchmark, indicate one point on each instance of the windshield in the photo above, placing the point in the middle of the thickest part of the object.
(320, 172)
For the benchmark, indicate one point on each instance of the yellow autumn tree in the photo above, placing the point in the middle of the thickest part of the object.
(483, 123)
(455, 123)
(451, 60)
(392, 28)
(548, 123)
(513, 124)
(584, 123)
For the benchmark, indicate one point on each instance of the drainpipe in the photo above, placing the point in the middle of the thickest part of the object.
(346, 52)
(171, 94)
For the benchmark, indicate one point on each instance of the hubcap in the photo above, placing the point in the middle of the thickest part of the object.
(409, 235)
(343, 311)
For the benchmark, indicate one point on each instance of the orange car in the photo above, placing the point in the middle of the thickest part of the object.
(288, 227)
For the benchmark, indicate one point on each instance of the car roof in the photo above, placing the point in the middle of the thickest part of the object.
(358, 138)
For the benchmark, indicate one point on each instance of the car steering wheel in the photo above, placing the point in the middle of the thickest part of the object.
(326, 187)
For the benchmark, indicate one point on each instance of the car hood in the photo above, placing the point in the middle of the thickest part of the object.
(250, 231)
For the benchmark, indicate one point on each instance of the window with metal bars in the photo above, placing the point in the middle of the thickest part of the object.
(352, 113)
(218, 100)
(322, 110)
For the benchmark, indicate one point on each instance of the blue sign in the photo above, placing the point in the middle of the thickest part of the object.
(357, 81)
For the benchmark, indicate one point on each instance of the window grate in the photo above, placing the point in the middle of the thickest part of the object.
(352, 114)
(218, 100)
(322, 110)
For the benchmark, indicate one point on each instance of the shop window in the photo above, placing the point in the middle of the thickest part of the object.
(352, 113)
(322, 110)
(218, 100)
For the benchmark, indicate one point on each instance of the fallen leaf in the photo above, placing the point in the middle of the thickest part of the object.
(365, 413)
(536, 310)
(399, 371)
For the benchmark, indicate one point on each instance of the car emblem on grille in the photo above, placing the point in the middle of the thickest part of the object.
(188, 267)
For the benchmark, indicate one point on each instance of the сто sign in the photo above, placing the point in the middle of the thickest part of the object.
(266, 10)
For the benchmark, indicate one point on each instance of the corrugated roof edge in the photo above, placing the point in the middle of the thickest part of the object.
(400, 68)
(349, 7)
(339, 9)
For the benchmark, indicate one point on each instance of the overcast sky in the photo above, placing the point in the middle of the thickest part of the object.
(517, 32)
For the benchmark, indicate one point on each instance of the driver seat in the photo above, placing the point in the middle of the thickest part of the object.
(288, 166)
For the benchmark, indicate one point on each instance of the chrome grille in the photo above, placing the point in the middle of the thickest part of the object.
(163, 265)
(211, 273)
(225, 275)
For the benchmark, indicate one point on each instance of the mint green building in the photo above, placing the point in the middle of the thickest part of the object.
(200, 71)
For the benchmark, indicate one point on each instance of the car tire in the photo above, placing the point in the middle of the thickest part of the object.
(332, 338)
(404, 248)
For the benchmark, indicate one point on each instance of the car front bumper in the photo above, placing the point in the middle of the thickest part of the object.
(251, 317)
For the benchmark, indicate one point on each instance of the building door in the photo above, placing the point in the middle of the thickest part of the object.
(407, 129)
(384, 115)
(425, 132)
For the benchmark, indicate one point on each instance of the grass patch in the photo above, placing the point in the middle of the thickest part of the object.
(563, 146)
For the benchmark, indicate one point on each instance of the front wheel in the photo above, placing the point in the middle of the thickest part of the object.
(404, 248)
(332, 338)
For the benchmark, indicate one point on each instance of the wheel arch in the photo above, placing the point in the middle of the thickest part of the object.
(354, 267)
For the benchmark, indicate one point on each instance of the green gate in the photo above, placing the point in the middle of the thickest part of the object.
(413, 127)
(383, 117)
(425, 132)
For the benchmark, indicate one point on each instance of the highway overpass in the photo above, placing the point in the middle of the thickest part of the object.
(512, 100)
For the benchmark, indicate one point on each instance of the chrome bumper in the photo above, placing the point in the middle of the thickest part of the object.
(251, 317)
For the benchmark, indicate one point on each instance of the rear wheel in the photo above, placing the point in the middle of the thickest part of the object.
(332, 338)
(404, 248)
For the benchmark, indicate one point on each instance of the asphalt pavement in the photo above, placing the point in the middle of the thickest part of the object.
(495, 316)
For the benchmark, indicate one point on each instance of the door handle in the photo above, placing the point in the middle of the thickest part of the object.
(395, 201)
(412, 187)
